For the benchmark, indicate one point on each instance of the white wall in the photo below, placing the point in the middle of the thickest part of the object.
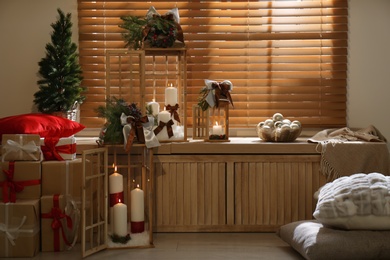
(25, 29)
(368, 65)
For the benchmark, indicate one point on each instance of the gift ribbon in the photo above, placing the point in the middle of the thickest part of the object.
(161, 125)
(115, 198)
(13, 147)
(14, 186)
(221, 90)
(52, 152)
(173, 111)
(56, 214)
(12, 233)
(136, 129)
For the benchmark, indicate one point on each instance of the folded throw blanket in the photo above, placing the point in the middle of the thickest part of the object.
(348, 151)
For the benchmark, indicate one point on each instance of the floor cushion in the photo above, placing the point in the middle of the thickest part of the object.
(315, 241)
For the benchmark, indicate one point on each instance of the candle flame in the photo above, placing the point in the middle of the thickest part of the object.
(138, 186)
(119, 200)
(115, 168)
(153, 100)
(216, 123)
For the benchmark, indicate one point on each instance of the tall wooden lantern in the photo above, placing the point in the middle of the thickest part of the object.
(165, 91)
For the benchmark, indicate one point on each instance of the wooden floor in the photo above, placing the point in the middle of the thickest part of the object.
(205, 246)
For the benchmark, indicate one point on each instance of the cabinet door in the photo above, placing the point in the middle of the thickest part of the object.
(274, 190)
(190, 195)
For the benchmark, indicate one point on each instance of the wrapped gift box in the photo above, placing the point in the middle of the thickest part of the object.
(56, 224)
(19, 228)
(21, 147)
(59, 149)
(63, 177)
(21, 179)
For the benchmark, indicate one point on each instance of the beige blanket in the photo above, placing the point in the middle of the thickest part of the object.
(348, 151)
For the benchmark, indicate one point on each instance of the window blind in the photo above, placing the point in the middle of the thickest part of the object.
(281, 56)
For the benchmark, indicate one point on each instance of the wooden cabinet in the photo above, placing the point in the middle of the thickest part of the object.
(229, 193)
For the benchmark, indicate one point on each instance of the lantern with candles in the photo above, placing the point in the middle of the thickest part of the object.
(216, 99)
(165, 92)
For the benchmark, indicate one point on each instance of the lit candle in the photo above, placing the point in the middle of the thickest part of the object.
(170, 95)
(217, 129)
(120, 219)
(115, 187)
(115, 182)
(137, 210)
(163, 116)
(155, 107)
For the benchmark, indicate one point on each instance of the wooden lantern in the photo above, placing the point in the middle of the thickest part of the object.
(218, 123)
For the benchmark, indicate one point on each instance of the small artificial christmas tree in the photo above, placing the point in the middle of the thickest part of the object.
(60, 72)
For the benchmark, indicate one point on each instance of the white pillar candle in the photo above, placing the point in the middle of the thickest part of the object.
(170, 96)
(115, 182)
(217, 129)
(115, 186)
(155, 107)
(163, 116)
(120, 219)
(137, 205)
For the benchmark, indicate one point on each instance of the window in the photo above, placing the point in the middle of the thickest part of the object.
(281, 56)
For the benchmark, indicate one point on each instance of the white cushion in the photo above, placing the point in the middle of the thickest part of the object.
(359, 201)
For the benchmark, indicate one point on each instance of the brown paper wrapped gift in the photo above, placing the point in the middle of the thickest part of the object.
(21, 147)
(20, 180)
(63, 177)
(55, 223)
(19, 228)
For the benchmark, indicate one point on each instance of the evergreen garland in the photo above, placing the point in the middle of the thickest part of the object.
(112, 112)
(60, 72)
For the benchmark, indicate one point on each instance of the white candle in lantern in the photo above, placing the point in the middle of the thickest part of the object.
(137, 205)
(120, 219)
(115, 185)
(115, 182)
(171, 96)
(155, 107)
(163, 116)
(217, 129)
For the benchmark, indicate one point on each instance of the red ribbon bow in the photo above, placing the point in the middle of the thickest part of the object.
(57, 214)
(11, 187)
(52, 152)
(173, 111)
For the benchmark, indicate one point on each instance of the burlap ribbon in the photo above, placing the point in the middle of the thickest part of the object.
(57, 215)
(173, 111)
(52, 152)
(217, 92)
(168, 125)
(11, 187)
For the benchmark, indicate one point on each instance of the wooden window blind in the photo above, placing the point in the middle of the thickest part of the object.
(281, 56)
